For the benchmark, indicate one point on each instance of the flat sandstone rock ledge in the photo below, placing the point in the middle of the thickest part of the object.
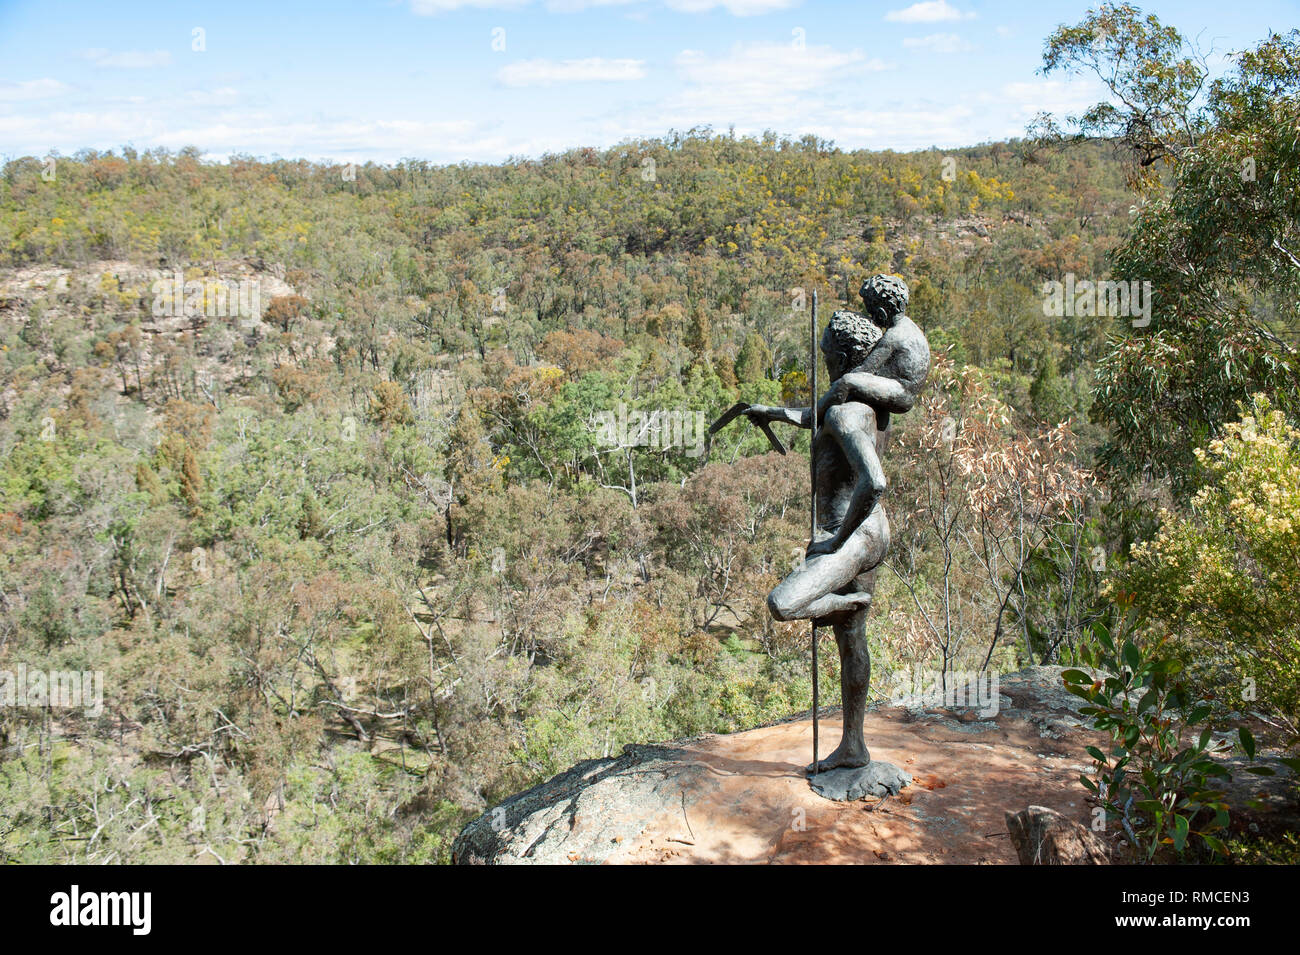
(744, 798)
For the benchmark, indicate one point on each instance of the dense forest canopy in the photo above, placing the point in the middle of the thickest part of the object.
(306, 459)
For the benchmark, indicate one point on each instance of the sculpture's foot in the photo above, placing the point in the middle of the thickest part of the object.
(859, 600)
(847, 606)
(845, 757)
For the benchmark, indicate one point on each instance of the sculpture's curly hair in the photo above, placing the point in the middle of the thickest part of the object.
(852, 335)
(884, 293)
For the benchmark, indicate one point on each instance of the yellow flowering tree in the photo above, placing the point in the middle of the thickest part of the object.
(1224, 579)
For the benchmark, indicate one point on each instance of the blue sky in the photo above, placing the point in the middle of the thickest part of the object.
(480, 80)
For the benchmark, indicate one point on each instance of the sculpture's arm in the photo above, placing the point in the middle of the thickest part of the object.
(854, 428)
(883, 394)
(799, 417)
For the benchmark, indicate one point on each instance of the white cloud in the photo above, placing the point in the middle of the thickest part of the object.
(937, 43)
(737, 8)
(224, 96)
(753, 88)
(130, 59)
(576, 6)
(851, 128)
(910, 128)
(266, 134)
(591, 70)
(1061, 97)
(429, 8)
(931, 11)
(30, 90)
(769, 71)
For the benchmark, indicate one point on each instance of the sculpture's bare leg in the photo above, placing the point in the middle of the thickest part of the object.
(855, 680)
(849, 574)
(823, 584)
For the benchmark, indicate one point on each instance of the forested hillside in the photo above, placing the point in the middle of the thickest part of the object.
(360, 561)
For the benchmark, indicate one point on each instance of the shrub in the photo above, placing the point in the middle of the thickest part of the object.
(1163, 789)
(1222, 580)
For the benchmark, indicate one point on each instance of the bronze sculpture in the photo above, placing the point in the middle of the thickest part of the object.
(878, 362)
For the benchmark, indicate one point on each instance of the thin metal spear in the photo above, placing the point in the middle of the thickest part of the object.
(812, 469)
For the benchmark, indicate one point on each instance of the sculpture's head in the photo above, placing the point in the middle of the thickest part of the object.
(848, 339)
(884, 297)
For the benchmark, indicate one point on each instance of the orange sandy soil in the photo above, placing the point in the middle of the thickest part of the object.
(752, 804)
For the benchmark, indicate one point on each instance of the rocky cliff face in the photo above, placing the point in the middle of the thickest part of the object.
(743, 798)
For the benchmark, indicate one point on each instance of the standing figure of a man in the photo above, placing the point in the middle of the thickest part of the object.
(878, 361)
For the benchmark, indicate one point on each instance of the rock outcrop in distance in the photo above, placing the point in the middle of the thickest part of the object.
(743, 797)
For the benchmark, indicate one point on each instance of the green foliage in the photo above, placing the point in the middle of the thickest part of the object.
(1220, 579)
(1216, 233)
(1145, 65)
(359, 810)
(1283, 849)
(754, 362)
(1158, 777)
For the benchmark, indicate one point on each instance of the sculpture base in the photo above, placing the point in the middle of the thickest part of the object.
(847, 784)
